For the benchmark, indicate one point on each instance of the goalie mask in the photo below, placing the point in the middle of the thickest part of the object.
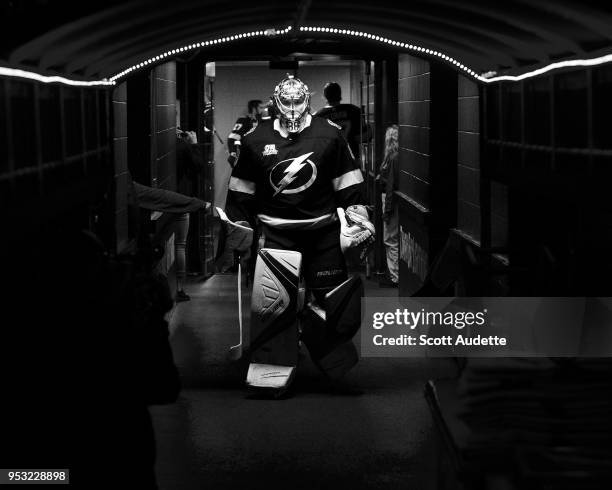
(292, 103)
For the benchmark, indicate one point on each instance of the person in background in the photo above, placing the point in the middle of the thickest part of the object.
(258, 112)
(388, 181)
(243, 125)
(188, 166)
(165, 201)
(347, 116)
(269, 112)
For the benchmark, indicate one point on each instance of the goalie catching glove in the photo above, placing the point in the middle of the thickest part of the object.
(356, 232)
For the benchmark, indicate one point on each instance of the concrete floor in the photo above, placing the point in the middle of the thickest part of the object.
(214, 437)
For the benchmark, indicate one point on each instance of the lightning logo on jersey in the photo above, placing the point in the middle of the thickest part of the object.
(293, 175)
(295, 182)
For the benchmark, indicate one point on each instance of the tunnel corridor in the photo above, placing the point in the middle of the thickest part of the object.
(504, 157)
(315, 439)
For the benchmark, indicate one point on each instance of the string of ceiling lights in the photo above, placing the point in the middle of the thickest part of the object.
(489, 77)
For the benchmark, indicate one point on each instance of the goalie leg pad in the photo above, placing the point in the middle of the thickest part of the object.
(274, 329)
(343, 307)
(339, 361)
(325, 331)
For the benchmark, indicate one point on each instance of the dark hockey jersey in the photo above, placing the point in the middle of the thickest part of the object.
(242, 126)
(294, 180)
(348, 117)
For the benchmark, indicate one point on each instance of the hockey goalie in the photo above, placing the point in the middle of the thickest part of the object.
(297, 176)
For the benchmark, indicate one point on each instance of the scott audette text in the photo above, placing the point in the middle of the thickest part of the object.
(425, 340)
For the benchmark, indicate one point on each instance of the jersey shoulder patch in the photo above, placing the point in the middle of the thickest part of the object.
(332, 123)
(250, 130)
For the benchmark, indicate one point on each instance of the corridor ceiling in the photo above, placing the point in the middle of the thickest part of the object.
(99, 38)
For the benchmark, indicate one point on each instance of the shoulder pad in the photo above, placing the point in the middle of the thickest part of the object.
(250, 131)
(332, 123)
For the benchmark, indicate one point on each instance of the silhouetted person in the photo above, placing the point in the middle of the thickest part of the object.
(188, 166)
(89, 353)
(390, 216)
(255, 109)
(129, 366)
(347, 116)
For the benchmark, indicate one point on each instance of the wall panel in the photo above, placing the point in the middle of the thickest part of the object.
(427, 112)
(56, 165)
(468, 158)
(547, 163)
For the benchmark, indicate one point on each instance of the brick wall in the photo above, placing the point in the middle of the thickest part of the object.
(144, 142)
(163, 156)
(120, 155)
(468, 158)
(428, 121)
(163, 127)
(414, 108)
(413, 171)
